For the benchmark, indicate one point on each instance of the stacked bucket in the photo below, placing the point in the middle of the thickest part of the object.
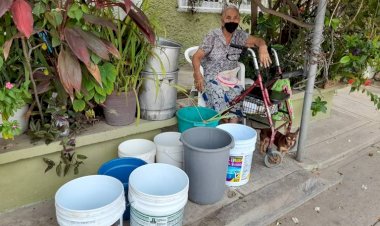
(158, 93)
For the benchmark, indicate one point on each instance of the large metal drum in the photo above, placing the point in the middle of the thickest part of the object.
(158, 95)
(165, 57)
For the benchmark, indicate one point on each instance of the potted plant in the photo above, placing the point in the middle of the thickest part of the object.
(120, 107)
(61, 49)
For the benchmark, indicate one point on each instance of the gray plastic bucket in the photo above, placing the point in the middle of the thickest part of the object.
(206, 152)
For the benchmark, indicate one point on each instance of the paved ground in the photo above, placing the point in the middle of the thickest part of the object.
(337, 175)
(354, 201)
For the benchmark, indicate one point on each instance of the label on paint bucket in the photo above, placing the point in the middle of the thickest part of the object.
(238, 168)
(140, 219)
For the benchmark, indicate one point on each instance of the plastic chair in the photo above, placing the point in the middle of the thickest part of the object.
(241, 74)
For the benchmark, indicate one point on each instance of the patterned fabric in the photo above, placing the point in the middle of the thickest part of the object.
(221, 57)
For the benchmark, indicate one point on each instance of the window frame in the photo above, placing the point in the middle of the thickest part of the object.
(208, 6)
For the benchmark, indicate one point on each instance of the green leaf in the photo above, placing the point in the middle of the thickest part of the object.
(55, 41)
(79, 105)
(79, 95)
(66, 170)
(100, 90)
(335, 23)
(85, 8)
(54, 18)
(79, 156)
(1, 62)
(109, 72)
(95, 58)
(345, 60)
(39, 8)
(58, 169)
(73, 10)
(49, 167)
(76, 170)
(89, 95)
(99, 99)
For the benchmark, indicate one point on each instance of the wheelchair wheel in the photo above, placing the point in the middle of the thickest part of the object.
(274, 159)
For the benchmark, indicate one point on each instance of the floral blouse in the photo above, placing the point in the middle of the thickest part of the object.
(216, 49)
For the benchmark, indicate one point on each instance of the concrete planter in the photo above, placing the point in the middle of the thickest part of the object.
(298, 98)
(23, 180)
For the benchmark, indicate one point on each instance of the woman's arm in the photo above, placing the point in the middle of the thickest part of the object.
(198, 78)
(264, 57)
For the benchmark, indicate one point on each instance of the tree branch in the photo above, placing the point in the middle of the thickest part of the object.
(357, 13)
(30, 71)
(283, 16)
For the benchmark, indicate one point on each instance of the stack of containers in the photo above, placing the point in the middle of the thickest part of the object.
(158, 94)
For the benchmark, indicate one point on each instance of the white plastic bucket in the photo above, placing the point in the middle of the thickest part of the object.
(169, 149)
(138, 148)
(90, 200)
(19, 116)
(158, 194)
(240, 160)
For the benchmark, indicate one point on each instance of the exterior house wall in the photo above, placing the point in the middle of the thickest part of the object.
(183, 27)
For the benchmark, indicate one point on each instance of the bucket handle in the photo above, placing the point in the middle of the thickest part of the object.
(166, 152)
(199, 124)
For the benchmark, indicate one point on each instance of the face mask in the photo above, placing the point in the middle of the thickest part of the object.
(231, 26)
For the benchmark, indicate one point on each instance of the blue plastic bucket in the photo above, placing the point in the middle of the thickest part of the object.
(120, 169)
(196, 116)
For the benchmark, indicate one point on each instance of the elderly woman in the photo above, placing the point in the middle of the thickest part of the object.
(216, 56)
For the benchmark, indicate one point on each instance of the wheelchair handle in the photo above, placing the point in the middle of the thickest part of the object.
(244, 48)
(270, 49)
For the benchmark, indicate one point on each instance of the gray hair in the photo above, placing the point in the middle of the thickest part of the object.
(227, 7)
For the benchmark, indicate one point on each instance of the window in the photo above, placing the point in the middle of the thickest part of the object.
(211, 6)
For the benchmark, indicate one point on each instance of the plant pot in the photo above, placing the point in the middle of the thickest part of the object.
(120, 108)
(19, 117)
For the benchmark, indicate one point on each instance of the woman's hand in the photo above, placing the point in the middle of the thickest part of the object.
(198, 82)
(264, 57)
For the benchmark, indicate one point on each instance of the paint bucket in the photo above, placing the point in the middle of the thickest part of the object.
(120, 169)
(196, 116)
(206, 152)
(90, 200)
(240, 160)
(138, 148)
(158, 195)
(169, 149)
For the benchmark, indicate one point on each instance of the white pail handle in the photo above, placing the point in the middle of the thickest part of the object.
(167, 153)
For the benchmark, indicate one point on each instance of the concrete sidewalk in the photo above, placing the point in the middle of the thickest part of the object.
(271, 192)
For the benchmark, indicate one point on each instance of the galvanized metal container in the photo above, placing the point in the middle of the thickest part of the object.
(165, 57)
(158, 95)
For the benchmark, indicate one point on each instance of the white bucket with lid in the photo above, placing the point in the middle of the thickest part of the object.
(157, 194)
(169, 149)
(91, 200)
(240, 160)
(139, 148)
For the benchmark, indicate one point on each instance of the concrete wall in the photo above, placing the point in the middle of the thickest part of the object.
(23, 180)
